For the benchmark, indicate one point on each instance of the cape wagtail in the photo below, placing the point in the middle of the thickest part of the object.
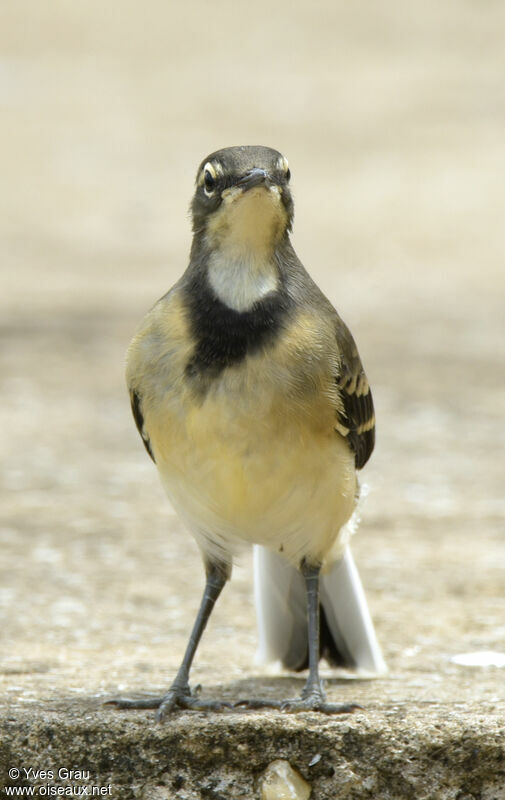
(251, 399)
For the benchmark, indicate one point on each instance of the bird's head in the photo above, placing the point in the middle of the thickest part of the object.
(242, 199)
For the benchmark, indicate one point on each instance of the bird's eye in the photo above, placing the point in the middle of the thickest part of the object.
(288, 175)
(209, 182)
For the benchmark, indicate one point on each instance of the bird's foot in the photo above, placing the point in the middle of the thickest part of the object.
(298, 704)
(317, 704)
(312, 699)
(177, 697)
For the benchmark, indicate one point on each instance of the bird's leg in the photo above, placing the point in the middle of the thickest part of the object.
(313, 696)
(179, 694)
(313, 686)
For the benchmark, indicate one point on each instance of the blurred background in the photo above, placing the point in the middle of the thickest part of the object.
(392, 116)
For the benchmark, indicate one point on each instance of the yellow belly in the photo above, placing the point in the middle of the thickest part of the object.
(258, 472)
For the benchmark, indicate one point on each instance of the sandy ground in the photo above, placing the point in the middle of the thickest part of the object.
(393, 120)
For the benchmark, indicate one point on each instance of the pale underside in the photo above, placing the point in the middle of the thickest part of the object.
(293, 494)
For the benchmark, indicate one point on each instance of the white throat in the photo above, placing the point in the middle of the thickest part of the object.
(241, 281)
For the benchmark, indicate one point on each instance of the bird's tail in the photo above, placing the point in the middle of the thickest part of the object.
(347, 633)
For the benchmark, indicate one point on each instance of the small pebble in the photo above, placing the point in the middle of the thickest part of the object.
(281, 782)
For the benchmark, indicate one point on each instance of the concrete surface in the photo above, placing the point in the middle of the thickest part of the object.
(393, 121)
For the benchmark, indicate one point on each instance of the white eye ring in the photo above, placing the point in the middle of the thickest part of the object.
(209, 179)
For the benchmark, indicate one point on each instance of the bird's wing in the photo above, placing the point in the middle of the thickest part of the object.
(356, 417)
(139, 420)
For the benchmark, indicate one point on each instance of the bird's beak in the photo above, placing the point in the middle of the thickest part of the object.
(255, 177)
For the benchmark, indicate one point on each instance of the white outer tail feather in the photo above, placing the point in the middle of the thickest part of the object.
(279, 591)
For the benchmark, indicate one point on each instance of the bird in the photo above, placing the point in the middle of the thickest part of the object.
(251, 399)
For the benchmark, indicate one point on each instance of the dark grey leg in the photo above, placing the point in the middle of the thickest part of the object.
(179, 694)
(313, 687)
(313, 697)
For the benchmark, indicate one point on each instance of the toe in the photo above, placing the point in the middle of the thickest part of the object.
(126, 702)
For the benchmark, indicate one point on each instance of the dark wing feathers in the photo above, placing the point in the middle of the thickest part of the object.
(139, 421)
(356, 419)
